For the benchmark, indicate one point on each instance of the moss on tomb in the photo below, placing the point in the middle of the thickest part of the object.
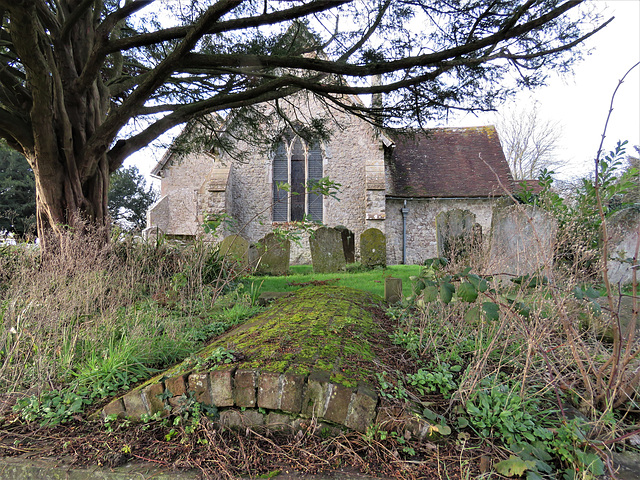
(320, 328)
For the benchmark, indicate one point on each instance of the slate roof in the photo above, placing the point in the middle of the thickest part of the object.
(449, 162)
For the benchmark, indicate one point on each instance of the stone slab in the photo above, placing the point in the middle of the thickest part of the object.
(315, 397)
(454, 233)
(134, 405)
(116, 407)
(153, 396)
(199, 385)
(236, 249)
(292, 392)
(338, 401)
(269, 386)
(221, 387)
(273, 254)
(392, 289)
(176, 385)
(362, 409)
(244, 391)
(327, 252)
(373, 248)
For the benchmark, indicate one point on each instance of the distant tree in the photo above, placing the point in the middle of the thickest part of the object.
(129, 198)
(17, 193)
(530, 143)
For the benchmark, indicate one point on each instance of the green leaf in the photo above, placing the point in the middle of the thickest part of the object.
(429, 414)
(463, 422)
(514, 466)
(446, 292)
(491, 310)
(467, 292)
(430, 294)
(472, 316)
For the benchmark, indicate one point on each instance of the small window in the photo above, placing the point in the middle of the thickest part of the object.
(299, 165)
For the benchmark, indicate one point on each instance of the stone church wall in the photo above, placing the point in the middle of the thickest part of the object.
(352, 149)
(421, 225)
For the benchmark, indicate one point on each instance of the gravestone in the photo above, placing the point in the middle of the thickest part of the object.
(373, 248)
(273, 255)
(624, 234)
(236, 249)
(327, 253)
(522, 240)
(455, 234)
(392, 289)
(348, 243)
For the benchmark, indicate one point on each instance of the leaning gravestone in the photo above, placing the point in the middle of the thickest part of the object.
(235, 248)
(522, 240)
(624, 234)
(348, 243)
(373, 248)
(454, 233)
(273, 253)
(327, 253)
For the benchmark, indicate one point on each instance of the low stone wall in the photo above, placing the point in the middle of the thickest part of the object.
(280, 398)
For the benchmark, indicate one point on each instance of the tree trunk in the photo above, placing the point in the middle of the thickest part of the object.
(72, 181)
(64, 205)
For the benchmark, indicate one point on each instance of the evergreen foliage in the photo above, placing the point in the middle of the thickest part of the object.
(130, 198)
(17, 193)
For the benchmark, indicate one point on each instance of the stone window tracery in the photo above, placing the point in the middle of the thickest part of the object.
(299, 165)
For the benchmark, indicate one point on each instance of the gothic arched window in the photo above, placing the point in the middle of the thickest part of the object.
(300, 165)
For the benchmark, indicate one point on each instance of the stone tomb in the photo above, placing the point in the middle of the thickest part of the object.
(273, 255)
(236, 249)
(522, 240)
(327, 252)
(373, 248)
(455, 234)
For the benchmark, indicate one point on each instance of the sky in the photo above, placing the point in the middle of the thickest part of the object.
(578, 104)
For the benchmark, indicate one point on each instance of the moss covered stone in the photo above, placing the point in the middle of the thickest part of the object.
(321, 327)
(307, 354)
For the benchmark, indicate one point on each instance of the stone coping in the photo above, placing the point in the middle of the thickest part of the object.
(274, 397)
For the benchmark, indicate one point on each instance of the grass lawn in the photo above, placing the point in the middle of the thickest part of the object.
(369, 280)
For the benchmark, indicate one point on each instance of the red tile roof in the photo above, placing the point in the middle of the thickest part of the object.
(449, 162)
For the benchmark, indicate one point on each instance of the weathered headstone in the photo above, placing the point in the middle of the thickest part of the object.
(392, 289)
(625, 235)
(522, 240)
(373, 248)
(348, 243)
(235, 248)
(327, 253)
(454, 232)
(273, 254)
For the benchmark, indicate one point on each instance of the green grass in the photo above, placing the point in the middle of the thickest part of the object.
(368, 280)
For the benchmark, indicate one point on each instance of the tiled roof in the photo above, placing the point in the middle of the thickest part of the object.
(449, 162)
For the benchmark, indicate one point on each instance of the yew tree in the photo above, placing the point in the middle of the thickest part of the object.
(85, 83)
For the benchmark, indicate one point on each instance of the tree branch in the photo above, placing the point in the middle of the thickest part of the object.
(118, 118)
(76, 14)
(331, 67)
(147, 39)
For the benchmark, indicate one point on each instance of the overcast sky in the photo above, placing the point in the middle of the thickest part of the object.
(579, 103)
